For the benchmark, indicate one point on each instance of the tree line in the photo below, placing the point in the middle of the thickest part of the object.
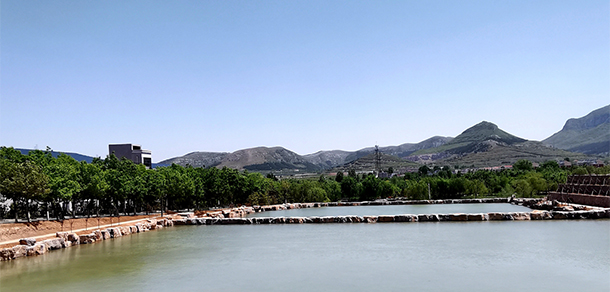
(40, 185)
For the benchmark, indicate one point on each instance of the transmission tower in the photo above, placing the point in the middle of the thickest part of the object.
(377, 160)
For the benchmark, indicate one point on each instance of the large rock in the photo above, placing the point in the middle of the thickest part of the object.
(385, 218)
(405, 218)
(37, 249)
(295, 220)
(20, 251)
(521, 216)
(478, 217)
(540, 215)
(427, 217)
(98, 235)
(115, 232)
(7, 254)
(27, 241)
(370, 219)
(496, 216)
(560, 215)
(55, 243)
(458, 217)
(73, 238)
(178, 222)
(63, 235)
(88, 238)
(340, 219)
(105, 234)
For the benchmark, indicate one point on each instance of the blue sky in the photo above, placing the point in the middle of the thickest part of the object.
(183, 76)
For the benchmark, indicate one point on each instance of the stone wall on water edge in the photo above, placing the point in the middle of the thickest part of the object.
(30, 247)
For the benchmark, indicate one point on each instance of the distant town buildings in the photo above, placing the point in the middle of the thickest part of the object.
(132, 152)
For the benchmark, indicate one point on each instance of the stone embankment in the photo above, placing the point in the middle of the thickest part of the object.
(30, 247)
(543, 210)
(535, 215)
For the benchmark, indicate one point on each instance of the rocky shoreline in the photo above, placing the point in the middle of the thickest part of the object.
(543, 210)
(30, 247)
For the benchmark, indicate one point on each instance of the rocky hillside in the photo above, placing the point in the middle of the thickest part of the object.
(497, 154)
(367, 163)
(267, 159)
(328, 159)
(334, 158)
(485, 144)
(477, 138)
(589, 134)
(197, 159)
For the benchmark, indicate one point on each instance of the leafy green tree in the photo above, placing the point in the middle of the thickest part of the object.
(332, 189)
(370, 188)
(580, 171)
(156, 184)
(386, 189)
(350, 188)
(352, 173)
(179, 186)
(339, 177)
(63, 175)
(476, 188)
(260, 199)
(12, 155)
(22, 182)
(315, 194)
(93, 185)
(524, 165)
(417, 190)
(522, 188)
(423, 170)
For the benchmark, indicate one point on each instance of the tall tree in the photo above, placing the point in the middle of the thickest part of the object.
(22, 182)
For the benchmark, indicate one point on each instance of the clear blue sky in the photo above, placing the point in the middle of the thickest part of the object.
(183, 76)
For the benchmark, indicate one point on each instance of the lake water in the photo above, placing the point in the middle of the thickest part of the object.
(394, 210)
(419, 256)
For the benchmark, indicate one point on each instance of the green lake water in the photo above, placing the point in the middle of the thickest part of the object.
(419, 256)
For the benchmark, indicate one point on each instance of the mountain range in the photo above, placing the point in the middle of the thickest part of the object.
(483, 144)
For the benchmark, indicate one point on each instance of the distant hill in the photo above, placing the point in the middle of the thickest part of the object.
(407, 149)
(334, 158)
(367, 163)
(197, 159)
(76, 156)
(475, 139)
(265, 159)
(497, 154)
(328, 159)
(281, 160)
(589, 134)
(485, 144)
